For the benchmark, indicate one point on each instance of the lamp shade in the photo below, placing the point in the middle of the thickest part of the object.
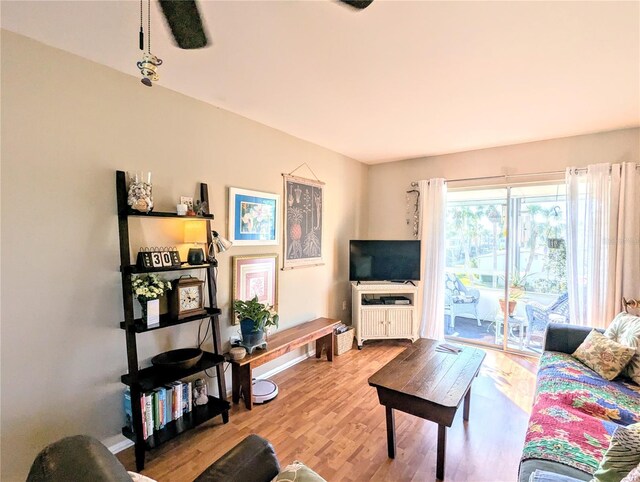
(221, 244)
(193, 232)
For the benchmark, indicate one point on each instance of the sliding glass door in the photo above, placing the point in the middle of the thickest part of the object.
(505, 274)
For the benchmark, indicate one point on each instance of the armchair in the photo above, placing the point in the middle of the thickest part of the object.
(460, 300)
(539, 316)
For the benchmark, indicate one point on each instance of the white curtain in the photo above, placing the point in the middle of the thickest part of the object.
(627, 264)
(433, 204)
(602, 256)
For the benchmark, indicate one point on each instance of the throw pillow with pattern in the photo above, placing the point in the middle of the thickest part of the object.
(633, 476)
(604, 356)
(622, 456)
(625, 329)
(298, 472)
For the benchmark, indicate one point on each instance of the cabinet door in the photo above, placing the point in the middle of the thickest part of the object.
(400, 322)
(373, 322)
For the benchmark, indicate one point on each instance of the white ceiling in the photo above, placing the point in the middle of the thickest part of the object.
(400, 79)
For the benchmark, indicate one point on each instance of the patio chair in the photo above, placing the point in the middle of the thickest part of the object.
(460, 300)
(539, 316)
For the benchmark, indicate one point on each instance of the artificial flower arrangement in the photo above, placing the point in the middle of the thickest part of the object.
(149, 287)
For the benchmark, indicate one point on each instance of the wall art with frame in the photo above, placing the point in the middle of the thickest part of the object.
(303, 222)
(254, 217)
(256, 275)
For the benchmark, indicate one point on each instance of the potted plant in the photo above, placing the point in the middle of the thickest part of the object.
(516, 291)
(254, 318)
(147, 290)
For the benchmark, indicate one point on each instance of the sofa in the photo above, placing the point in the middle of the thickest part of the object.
(82, 458)
(575, 411)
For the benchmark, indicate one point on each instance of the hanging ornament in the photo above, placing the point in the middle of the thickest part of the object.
(149, 64)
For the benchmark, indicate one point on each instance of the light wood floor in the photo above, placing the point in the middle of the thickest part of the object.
(327, 416)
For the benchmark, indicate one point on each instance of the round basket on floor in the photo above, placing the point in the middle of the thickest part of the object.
(180, 359)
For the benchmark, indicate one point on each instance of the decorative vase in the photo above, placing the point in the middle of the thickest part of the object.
(139, 195)
(251, 336)
(151, 313)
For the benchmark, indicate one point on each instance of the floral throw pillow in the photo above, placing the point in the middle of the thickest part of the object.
(625, 329)
(298, 472)
(604, 356)
(633, 476)
(622, 456)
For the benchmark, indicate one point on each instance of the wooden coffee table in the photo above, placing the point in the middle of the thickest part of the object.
(428, 384)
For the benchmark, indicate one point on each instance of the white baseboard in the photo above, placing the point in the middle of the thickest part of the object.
(288, 364)
(118, 443)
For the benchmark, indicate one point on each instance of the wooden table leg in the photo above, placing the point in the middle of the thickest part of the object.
(467, 405)
(246, 384)
(235, 383)
(442, 441)
(325, 341)
(391, 432)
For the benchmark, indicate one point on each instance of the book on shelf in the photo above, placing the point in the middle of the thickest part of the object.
(143, 407)
(128, 410)
(168, 409)
(177, 400)
(185, 397)
(159, 395)
(162, 405)
(148, 410)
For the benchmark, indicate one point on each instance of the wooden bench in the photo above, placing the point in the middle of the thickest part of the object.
(320, 330)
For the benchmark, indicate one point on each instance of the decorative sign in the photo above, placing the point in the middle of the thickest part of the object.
(150, 258)
(303, 222)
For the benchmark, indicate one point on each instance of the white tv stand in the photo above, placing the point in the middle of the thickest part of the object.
(375, 321)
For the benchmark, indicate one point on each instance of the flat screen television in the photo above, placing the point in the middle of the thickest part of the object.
(384, 260)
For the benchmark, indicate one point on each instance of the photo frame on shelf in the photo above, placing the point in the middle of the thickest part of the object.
(256, 275)
(303, 222)
(254, 217)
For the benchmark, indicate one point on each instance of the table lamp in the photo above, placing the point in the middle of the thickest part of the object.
(193, 233)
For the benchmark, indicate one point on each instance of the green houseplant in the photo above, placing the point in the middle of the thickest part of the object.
(254, 318)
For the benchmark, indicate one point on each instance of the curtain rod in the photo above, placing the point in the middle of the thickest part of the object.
(509, 176)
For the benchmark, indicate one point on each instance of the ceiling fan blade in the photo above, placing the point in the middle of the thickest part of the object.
(357, 4)
(185, 23)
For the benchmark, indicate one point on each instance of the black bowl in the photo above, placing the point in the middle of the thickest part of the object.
(180, 359)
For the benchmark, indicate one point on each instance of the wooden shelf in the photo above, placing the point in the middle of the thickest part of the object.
(153, 377)
(197, 416)
(133, 269)
(166, 320)
(160, 214)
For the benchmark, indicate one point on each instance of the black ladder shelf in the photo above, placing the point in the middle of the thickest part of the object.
(144, 379)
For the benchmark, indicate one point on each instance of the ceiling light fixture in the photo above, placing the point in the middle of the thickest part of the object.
(149, 64)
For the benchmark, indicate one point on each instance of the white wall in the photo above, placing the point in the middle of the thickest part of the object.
(388, 182)
(67, 125)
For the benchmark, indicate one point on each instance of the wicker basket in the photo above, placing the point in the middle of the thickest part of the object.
(344, 341)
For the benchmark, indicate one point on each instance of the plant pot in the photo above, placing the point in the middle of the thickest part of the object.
(251, 336)
(512, 306)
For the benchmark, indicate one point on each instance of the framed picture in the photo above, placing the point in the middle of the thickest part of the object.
(304, 216)
(256, 275)
(253, 217)
(188, 200)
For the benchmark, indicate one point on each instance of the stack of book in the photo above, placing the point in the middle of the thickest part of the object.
(160, 406)
(448, 348)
